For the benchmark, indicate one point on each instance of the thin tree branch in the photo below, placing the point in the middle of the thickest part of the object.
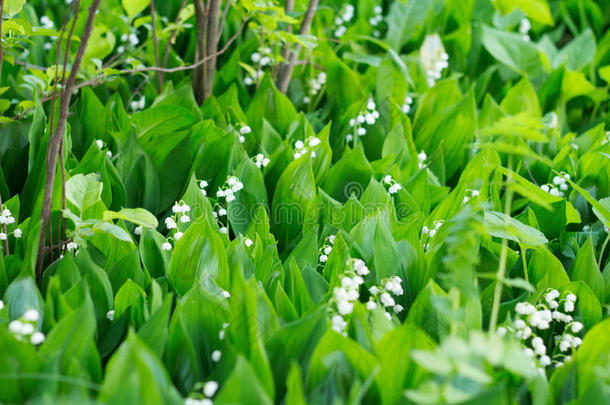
(55, 138)
(171, 39)
(67, 52)
(57, 57)
(288, 8)
(287, 68)
(153, 15)
(100, 79)
(225, 12)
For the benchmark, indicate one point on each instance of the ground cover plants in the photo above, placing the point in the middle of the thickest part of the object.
(304, 202)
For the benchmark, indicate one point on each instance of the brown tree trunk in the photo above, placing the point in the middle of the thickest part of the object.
(208, 22)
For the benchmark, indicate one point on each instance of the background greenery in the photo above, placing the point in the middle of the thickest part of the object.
(509, 200)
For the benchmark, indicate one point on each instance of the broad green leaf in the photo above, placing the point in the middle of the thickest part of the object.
(292, 200)
(13, 7)
(512, 50)
(138, 216)
(198, 257)
(242, 387)
(545, 270)
(83, 191)
(502, 226)
(585, 268)
(537, 10)
(134, 7)
(135, 375)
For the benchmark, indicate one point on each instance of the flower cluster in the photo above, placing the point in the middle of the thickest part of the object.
(550, 318)
(429, 233)
(71, 246)
(469, 195)
(524, 29)
(436, 73)
(302, 148)
(558, 186)
(394, 186)
(406, 106)
(137, 105)
(202, 187)
(261, 161)
(100, 144)
(367, 116)
(232, 186)
(262, 58)
(315, 85)
(47, 22)
(434, 58)
(606, 139)
(25, 327)
(228, 190)
(7, 218)
(376, 20)
(243, 130)
(341, 20)
(421, 159)
(391, 286)
(128, 40)
(326, 248)
(344, 296)
(180, 214)
(208, 390)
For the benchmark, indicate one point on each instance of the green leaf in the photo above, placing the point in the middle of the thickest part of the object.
(22, 295)
(138, 216)
(18, 358)
(545, 270)
(512, 50)
(134, 7)
(193, 336)
(537, 10)
(131, 297)
(585, 268)
(404, 18)
(293, 199)
(394, 376)
(198, 257)
(242, 387)
(12, 7)
(83, 191)
(135, 375)
(502, 226)
(448, 132)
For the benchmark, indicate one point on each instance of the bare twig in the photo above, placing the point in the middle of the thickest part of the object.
(67, 52)
(188, 67)
(55, 138)
(30, 65)
(171, 39)
(153, 15)
(100, 79)
(288, 8)
(225, 12)
(285, 72)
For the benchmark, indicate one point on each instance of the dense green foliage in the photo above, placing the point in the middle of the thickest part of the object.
(422, 217)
